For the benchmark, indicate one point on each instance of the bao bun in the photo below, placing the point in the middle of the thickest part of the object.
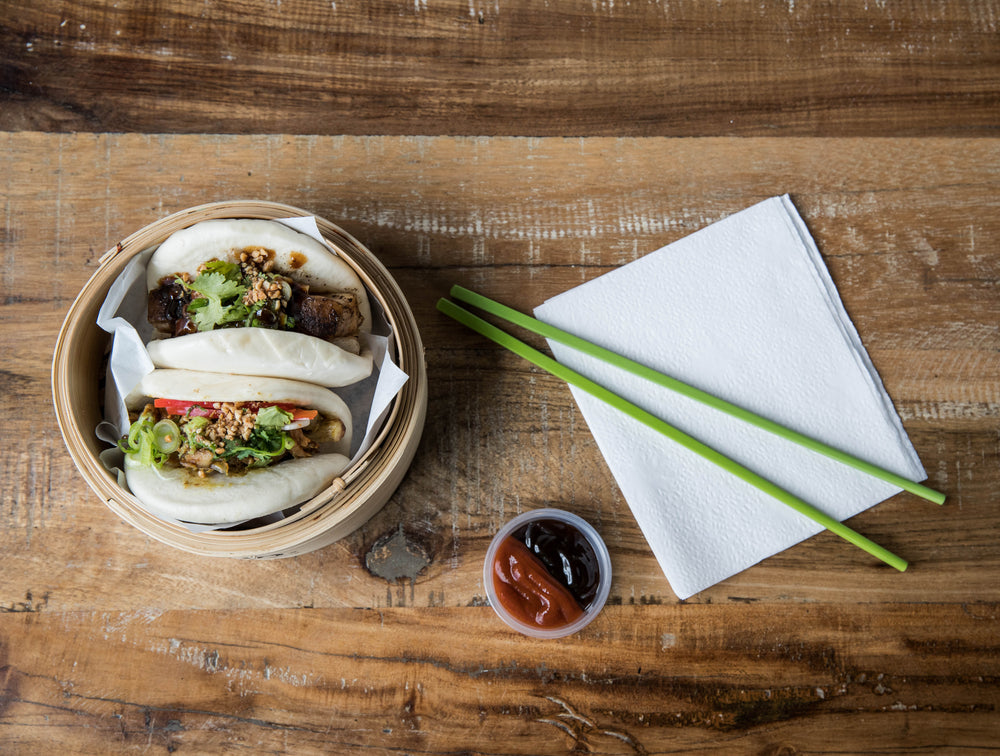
(178, 493)
(265, 352)
(261, 351)
(296, 255)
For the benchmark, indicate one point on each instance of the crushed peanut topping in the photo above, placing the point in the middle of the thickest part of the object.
(232, 422)
(256, 263)
(257, 257)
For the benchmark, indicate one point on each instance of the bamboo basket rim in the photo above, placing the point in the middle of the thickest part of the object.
(352, 497)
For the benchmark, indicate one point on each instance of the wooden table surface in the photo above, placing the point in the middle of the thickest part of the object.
(519, 148)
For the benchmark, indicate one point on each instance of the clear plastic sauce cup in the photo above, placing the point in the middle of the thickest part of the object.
(547, 573)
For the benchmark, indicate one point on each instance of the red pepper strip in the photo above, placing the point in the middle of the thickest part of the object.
(195, 409)
(528, 591)
(185, 407)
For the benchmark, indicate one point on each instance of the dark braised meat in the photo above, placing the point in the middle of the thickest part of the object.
(328, 317)
(167, 309)
(303, 446)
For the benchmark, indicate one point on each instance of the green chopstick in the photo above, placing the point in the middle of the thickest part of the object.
(593, 350)
(574, 378)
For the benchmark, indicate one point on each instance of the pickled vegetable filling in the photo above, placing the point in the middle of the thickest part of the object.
(546, 573)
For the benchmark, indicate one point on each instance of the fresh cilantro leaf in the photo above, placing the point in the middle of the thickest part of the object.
(221, 300)
(217, 286)
(265, 445)
(227, 269)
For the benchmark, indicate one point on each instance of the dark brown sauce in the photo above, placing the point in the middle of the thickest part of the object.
(566, 554)
(296, 260)
(167, 308)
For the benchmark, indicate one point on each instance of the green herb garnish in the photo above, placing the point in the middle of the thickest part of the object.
(219, 299)
(265, 443)
(273, 417)
(221, 287)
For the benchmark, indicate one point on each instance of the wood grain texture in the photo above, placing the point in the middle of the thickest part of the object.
(505, 67)
(727, 679)
(113, 643)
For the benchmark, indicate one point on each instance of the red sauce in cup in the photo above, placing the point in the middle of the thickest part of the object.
(546, 573)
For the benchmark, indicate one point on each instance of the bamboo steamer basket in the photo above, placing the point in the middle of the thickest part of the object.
(354, 497)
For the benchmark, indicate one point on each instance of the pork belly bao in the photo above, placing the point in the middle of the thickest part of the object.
(258, 298)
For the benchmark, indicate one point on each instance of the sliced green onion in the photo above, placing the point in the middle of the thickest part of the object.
(145, 448)
(134, 432)
(167, 436)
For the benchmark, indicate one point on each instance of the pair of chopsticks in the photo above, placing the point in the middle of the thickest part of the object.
(574, 378)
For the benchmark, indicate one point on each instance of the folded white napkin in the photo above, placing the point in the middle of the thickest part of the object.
(746, 310)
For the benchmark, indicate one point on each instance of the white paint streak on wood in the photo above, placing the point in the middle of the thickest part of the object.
(948, 410)
(423, 251)
(945, 337)
(117, 624)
